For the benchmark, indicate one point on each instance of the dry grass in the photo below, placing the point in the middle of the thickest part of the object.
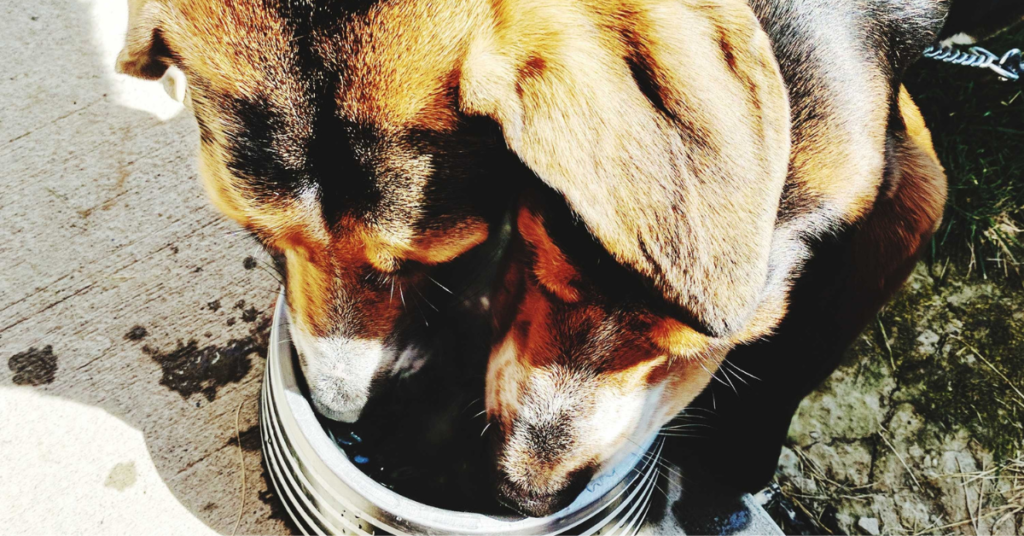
(994, 508)
(1000, 505)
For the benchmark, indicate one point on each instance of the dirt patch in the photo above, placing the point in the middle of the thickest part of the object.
(137, 333)
(919, 430)
(189, 369)
(33, 366)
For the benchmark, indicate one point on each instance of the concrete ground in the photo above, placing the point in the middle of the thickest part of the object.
(132, 325)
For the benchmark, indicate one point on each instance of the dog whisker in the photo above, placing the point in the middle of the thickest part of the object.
(485, 429)
(737, 368)
(419, 309)
(686, 426)
(475, 400)
(678, 435)
(656, 459)
(276, 276)
(440, 285)
(728, 377)
(417, 291)
(712, 375)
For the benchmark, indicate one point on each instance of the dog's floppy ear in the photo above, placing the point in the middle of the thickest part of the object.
(145, 55)
(666, 128)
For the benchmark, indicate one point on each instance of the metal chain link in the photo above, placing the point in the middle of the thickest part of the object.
(1008, 67)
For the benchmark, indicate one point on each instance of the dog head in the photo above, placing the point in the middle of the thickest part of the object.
(662, 132)
(332, 132)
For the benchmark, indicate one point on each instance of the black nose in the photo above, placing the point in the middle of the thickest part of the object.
(531, 502)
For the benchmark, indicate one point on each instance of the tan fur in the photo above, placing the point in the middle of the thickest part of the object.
(550, 266)
(688, 200)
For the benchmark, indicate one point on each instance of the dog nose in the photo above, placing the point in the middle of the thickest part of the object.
(348, 416)
(531, 501)
(334, 400)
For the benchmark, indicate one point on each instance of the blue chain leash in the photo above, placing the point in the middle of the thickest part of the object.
(1009, 67)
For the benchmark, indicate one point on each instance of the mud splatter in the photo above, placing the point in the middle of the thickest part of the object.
(250, 315)
(137, 333)
(34, 366)
(214, 305)
(191, 369)
(251, 440)
(231, 322)
(249, 263)
(240, 304)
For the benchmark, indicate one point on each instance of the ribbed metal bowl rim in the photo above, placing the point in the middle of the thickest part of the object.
(302, 459)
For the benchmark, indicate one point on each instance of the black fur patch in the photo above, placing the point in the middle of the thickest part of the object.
(255, 148)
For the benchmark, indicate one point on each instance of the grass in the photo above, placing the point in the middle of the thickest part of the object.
(999, 491)
(977, 122)
(975, 383)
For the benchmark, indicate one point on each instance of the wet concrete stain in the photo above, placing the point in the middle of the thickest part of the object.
(213, 306)
(189, 369)
(122, 476)
(137, 333)
(249, 263)
(251, 439)
(249, 315)
(33, 366)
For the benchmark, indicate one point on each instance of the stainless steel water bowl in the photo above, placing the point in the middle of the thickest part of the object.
(324, 493)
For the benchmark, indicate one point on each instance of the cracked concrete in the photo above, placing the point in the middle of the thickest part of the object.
(920, 427)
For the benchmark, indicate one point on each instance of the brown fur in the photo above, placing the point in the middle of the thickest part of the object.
(333, 133)
(667, 146)
(722, 252)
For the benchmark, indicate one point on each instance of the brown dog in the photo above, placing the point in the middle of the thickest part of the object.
(682, 241)
(333, 132)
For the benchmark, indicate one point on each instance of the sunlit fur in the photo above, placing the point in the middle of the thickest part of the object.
(332, 132)
(704, 171)
(578, 379)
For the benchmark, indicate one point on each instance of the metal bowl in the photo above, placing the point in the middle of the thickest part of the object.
(325, 493)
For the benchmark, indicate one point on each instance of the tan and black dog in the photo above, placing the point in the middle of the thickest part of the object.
(333, 131)
(757, 188)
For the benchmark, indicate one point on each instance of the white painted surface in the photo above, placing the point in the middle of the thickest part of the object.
(95, 470)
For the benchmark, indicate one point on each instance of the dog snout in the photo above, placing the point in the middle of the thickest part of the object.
(341, 372)
(336, 399)
(540, 470)
(542, 500)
